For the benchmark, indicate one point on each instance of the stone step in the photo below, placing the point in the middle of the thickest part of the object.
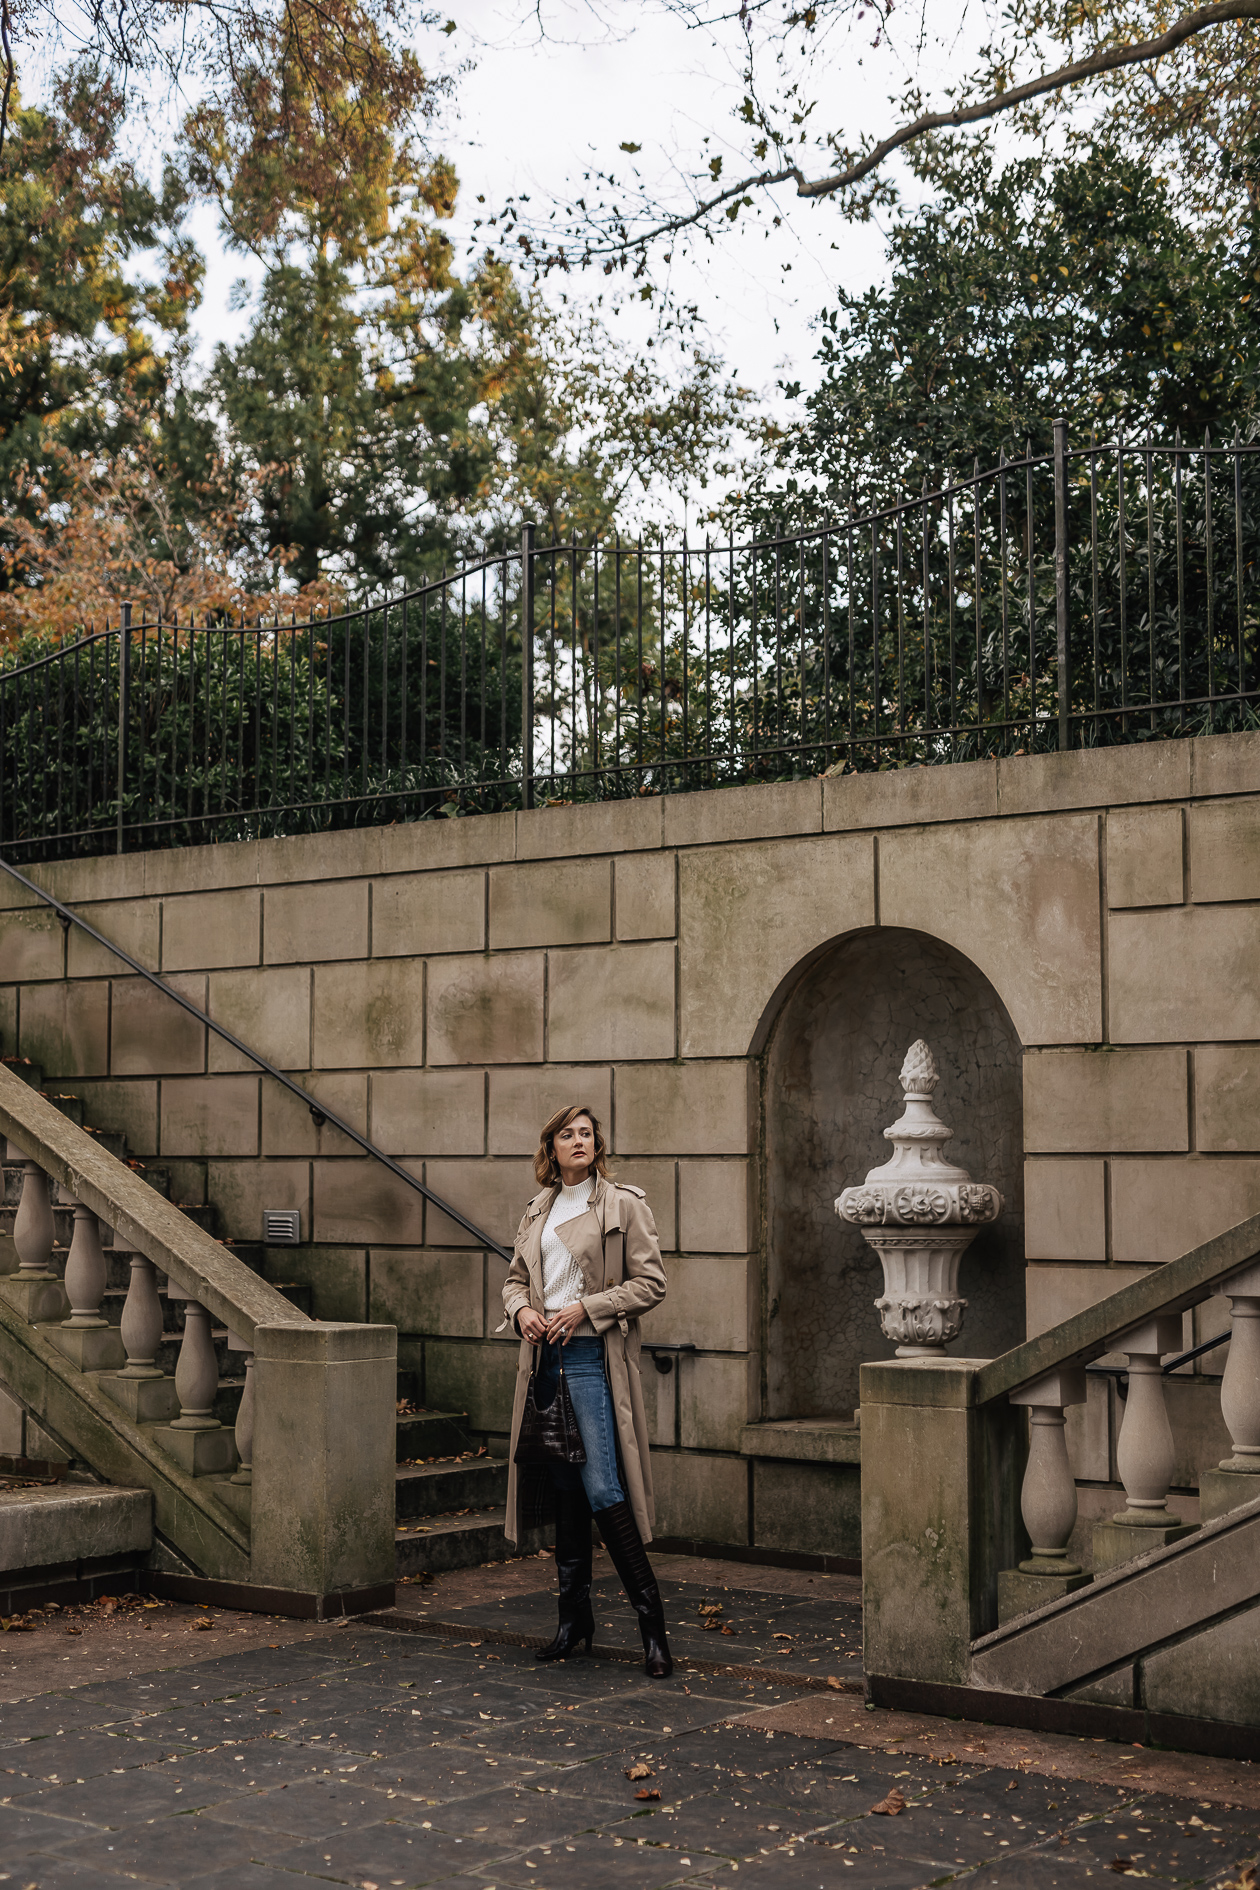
(55, 1537)
(435, 1489)
(158, 1178)
(166, 1358)
(425, 1434)
(24, 1070)
(63, 1230)
(297, 1292)
(447, 1542)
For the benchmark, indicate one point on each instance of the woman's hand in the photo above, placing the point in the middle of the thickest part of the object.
(531, 1325)
(563, 1324)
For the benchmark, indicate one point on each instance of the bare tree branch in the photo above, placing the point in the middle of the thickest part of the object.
(1108, 59)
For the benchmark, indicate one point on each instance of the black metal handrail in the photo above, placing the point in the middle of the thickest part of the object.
(1174, 1364)
(1097, 593)
(320, 1114)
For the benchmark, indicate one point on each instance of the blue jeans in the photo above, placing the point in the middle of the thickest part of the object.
(592, 1407)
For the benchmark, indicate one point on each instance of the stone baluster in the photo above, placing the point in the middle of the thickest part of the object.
(35, 1289)
(1237, 1478)
(196, 1437)
(87, 1336)
(85, 1273)
(1145, 1453)
(142, 1323)
(196, 1372)
(33, 1233)
(245, 1414)
(1048, 1498)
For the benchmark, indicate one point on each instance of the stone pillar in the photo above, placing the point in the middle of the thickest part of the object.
(87, 1337)
(940, 1515)
(920, 1212)
(1237, 1479)
(323, 1463)
(1048, 1499)
(1145, 1453)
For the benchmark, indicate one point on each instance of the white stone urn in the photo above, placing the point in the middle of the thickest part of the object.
(920, 1213)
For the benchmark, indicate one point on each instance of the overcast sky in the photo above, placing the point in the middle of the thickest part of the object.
(531, 114)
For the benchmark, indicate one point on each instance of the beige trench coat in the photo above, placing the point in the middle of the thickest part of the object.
(615, 1299)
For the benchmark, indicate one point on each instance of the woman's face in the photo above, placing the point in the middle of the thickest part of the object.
(575, 1145)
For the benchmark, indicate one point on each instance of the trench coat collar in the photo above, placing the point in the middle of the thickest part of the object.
(583, 1235)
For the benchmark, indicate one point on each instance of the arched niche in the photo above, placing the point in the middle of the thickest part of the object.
(831, 1090)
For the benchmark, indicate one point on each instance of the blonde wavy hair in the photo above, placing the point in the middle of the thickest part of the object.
(546, 1169)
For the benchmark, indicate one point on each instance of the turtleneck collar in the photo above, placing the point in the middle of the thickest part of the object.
(582, 1191)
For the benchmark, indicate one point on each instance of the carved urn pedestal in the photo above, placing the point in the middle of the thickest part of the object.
(920, 1213)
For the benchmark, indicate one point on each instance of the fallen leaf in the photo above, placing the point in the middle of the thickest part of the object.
(782, 1637)
(728, 1629)
(74, 1630)
(1123, 1867)
(647, 1792)
(1013, 1786)
(833, 1681)
(200, 1625)
(638, 1770)
(890, 1806)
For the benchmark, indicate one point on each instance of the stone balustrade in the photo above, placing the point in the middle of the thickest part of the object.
(944, 1544)
(1146, 1452)
(323, 1530)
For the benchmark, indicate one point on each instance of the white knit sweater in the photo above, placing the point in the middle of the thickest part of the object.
(562, 1276)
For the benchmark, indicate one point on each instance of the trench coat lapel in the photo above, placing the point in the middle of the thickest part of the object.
(584, 1239)
(583, 1236)
(531, 1247)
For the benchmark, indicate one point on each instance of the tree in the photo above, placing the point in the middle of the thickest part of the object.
(81, 339)
(1024, 292)
(361, 43)
(124, 528)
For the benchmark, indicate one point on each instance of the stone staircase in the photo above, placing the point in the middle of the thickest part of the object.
(449, 1496)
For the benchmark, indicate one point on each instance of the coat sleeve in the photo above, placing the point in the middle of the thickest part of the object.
(516, 1285)
(644, 1284)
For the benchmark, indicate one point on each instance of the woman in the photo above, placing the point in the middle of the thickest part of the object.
(586, 1265)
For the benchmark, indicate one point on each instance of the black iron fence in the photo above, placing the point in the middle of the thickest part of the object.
(1091, 595)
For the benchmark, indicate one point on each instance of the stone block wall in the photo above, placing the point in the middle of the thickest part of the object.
(445, 985)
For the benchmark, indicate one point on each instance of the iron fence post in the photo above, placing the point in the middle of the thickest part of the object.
(527, 665)
(1061, 580)
(124, 709)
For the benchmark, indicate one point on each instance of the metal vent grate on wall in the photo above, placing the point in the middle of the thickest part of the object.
(282, 1227)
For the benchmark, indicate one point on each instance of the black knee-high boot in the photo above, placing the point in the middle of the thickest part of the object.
(573, 1575)
(624, 1544)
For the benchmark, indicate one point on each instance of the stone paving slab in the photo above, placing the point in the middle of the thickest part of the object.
(713, 1617)
(391, 1761)
(1186, 1774)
